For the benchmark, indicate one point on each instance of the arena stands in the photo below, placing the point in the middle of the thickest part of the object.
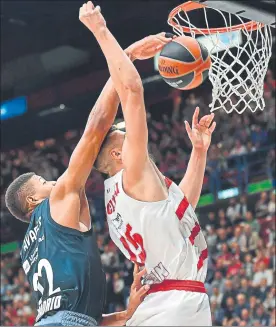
(240, 233)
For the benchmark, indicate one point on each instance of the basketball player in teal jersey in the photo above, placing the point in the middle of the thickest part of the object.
(59, 253)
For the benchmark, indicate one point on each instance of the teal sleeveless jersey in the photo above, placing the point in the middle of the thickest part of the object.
(63, 267)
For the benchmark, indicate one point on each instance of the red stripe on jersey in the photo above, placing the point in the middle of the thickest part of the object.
(195, 231)
(180, 285)
(168, 182)
(126, 246)
(183, 205)
(202, 257)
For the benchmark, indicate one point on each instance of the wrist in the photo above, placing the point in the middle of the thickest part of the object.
(99, 33)
(200, 152)
(129, 53)
(123, 317)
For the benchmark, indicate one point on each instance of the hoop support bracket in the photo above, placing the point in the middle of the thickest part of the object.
(243, 10)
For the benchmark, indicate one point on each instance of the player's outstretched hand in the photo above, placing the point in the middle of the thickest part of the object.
(137, 291)
(201, 132)
(91, 17)
(149, 46)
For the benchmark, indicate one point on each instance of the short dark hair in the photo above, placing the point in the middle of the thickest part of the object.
(16, 195)
(112, 129)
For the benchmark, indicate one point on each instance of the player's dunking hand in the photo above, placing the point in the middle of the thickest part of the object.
(92, 17)
(137, 291)
(149, 46)
(201, 132)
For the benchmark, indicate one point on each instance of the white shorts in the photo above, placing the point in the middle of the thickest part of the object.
(173, 308)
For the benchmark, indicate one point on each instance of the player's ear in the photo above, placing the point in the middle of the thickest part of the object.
(116, 154)
(32, 200)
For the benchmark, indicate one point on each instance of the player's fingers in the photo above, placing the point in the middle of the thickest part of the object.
(164, 39)
(204, 120)
(90, 6)
(80, 11)
(135, 269)
(210, 118)
(141, 274)
(195, 117)
(170, 35)
(188, 128)
(97, 10)
(143, 291)
(213, 126)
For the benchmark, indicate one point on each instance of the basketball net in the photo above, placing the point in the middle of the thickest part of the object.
(238, 70)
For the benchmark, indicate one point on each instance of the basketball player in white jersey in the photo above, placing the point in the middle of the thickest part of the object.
(150, 218)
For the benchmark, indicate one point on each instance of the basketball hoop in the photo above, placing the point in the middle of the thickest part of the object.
(239, 83)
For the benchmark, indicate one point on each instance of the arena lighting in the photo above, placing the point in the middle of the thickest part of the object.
(229, 193)
(46, 112)
(13, 108)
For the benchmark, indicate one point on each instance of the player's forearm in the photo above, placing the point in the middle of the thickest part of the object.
(114, 319)
(108, 102)
(122, 70)
(192, 182)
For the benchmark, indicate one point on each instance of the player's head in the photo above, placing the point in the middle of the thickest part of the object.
(110, 154)
(25, 193)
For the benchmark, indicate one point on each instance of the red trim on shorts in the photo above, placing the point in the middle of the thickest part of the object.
(195, 231)
(168, 182)
(202, 257)
(179, 285)
(183, 205)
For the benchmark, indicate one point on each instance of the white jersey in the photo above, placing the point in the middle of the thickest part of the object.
(165, 236)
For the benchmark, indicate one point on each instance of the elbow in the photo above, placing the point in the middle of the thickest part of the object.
(135, 86)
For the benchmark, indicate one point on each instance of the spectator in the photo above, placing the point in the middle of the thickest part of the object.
(217, 313)
(229, 308)
(211, 239)
(271, 166)
(262, 290)
(261, 206)
(238, 149)
(226, 256)
(229, 292)
(246, 320)
(251, 239)
(211, 220)
(241, 304)
(232, 211)
(260, 316)
(239, 237)
(216, 296)
(262, 273)
(255, 226)
(258, 135)
(245, 288)
(271, 204)
(224, 222)
(234, 267)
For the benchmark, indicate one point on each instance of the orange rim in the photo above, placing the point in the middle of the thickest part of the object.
(190, 5)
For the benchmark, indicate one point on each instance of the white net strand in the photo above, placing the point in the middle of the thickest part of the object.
(237, 85)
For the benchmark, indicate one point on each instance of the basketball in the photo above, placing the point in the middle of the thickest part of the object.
(184, 63)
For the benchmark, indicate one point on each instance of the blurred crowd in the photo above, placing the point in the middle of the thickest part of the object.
(241, 238)
(240, 280)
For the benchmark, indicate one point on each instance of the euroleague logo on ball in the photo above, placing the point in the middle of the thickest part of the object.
(164, 68)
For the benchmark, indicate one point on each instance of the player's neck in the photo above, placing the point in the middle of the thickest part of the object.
(114, 169)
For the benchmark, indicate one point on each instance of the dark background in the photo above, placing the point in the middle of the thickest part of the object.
(33, 32)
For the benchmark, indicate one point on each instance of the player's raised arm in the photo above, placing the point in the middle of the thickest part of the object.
(200, 135)
(129, 87)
